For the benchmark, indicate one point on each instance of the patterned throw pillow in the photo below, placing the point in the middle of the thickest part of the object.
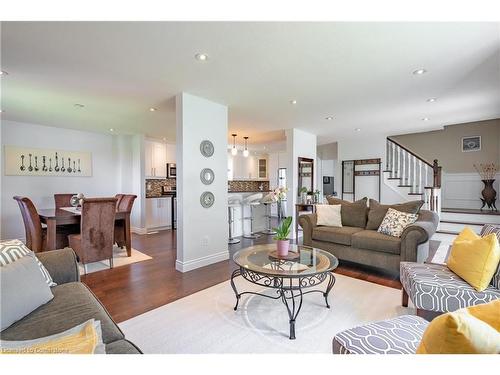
(10, 251)
(395, 222)
(488, 229)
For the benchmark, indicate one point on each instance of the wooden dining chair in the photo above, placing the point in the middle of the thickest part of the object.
(125, 205)
(63, 200)
(118, 199)
(35, 233)
(96, 238)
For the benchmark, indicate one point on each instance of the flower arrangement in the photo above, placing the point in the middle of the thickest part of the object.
(487, 171)
(279, 193)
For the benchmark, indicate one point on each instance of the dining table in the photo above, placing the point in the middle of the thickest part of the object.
(70, 215)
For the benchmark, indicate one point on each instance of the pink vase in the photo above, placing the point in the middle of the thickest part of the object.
(282, 247)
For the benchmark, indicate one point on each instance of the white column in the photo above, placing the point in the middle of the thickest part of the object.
(298, 144)
(201, 232)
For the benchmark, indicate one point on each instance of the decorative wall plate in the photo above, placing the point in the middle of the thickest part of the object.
(207, 176)
(206, 148)
(207, 199)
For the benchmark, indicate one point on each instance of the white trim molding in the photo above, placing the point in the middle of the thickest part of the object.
(463, 190)
(201, 262)
(138, 230)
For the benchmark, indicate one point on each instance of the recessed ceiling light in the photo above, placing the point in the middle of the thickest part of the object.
(431, 100)
(78, 105)
(152, 109)
(329, 118)
(293, 101)
(420, 71)
(201, 57)
(425, 119)
(357, 129)
(111, 130)
(3, 73)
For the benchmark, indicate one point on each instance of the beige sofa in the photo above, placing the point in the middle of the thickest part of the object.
(358, 240)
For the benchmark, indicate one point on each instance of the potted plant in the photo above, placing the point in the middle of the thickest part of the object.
(282, 233)
(303, 194)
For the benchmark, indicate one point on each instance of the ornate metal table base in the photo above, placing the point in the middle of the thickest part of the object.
(289, 289)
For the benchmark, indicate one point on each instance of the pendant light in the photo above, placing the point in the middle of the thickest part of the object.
(245, 151)
(234, 150)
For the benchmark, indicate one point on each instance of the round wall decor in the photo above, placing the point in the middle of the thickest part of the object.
(206, 148)
(207, 199)
(207, 176)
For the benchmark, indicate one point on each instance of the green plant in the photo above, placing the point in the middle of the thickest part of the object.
(283, 230)
(303, 189)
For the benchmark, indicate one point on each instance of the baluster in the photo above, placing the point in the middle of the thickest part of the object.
(387, 151)
(393, 153)
(420, 179)
(414, 182)
(426, 175)
(396, 163)
(403, 169)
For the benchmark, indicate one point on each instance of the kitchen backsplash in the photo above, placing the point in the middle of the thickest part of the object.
(243, 185)
(153, 187)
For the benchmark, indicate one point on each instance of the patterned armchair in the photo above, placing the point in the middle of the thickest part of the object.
(434, 287)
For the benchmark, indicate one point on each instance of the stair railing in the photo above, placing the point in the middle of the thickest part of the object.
(413, 171)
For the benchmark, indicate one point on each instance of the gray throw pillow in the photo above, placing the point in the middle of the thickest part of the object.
(486, 230)
(23, 289)
(12, 250)
(353, 214)
(377, 211)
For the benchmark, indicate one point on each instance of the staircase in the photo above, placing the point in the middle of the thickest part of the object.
(412, 177)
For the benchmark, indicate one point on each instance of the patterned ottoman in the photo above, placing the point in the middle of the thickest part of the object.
(433, 287)
(399, 335)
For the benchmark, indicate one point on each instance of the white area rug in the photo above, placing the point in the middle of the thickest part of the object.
(120, 258)
(205, 322)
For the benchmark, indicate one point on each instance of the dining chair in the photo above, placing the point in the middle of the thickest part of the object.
(63, 200)
(95, 241)
(125, 205)
(118, 199)
(35, 233)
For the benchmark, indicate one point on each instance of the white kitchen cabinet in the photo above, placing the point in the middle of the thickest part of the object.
(171, 153)
(158, 213)
(155, 159)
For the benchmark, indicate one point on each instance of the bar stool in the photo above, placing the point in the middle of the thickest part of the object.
(268, 201)
(232, 203)
(251, 201)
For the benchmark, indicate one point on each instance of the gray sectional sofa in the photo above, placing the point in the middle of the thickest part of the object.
(73, 304)
(358, 240)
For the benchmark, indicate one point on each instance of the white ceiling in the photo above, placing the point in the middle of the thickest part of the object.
(360, 73)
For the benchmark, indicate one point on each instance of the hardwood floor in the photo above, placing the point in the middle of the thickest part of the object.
(130, 290)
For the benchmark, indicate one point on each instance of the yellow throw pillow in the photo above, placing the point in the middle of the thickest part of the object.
(475, 259)
(461, 332)
(79, 340)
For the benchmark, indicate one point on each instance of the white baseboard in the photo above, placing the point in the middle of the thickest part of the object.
(138, 230)
(201, 262)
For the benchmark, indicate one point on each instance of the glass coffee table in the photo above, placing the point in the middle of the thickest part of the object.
(301, 272)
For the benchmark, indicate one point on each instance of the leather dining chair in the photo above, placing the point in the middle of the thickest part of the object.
(63, 200)
(124, 205)
(95, 241)
(35, 233)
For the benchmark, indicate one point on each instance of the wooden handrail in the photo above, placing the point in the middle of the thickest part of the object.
(436, 169)
(410, 152)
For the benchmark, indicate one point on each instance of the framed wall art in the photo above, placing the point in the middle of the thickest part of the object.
(28, 161)
(472, 143)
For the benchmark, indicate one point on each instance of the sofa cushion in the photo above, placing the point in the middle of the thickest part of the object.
(377, 211)
(399, 335)
(122, 347)
(339, 235)
(372, 240)
(434, 287)
(73, 304)
(353, 214)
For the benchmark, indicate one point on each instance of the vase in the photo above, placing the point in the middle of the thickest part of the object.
(489, 195)
(282, 247)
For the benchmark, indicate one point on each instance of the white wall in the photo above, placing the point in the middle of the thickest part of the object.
(105, 179)
(463, 190)
(202, 232)
(364, 147)
(298, 144)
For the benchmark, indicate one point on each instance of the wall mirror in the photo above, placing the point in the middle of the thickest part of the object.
(306, 174)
